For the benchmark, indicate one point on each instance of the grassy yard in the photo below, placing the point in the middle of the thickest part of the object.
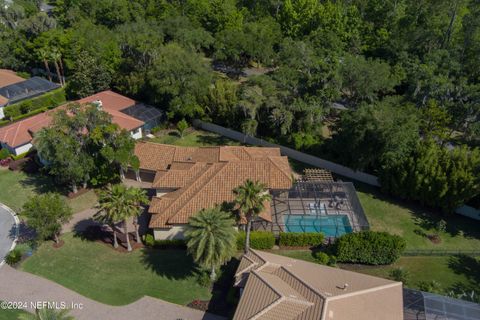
(17, 187)
(413, 222)
(10, 314)
(100, 273)
(450, 272)
(194, 138)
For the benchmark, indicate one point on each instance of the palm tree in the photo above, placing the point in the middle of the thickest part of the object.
(47, 314)
(250, 199)
(43, 55)
(111, 204)
(211, 238)
(138, 197)
(56, 56)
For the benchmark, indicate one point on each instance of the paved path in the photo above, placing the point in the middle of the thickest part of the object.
(80, 221)
(8, 231)
(22, 286)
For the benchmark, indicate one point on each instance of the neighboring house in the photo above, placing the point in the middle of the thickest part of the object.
(14, 89)
(17, 137)
(189, 179)
(282, 288)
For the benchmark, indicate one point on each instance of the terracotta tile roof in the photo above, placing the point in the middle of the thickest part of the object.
(110, 100)
(206, 176)
(21, 132)
(302, 290)
(154, 156)
(8, 77)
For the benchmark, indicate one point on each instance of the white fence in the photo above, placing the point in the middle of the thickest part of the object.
(291, 153)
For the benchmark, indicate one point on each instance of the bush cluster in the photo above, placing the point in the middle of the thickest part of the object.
(325, 259)
(164, 244)
(13, 257)
(32, 106)
(260, 240)
(4, 154)
(301, 239)
(369, 247)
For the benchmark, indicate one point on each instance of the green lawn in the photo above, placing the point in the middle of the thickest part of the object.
(10, 314)
(100, 273)
(195, 138)
(413, 222)
(17, 187)
(451, 272)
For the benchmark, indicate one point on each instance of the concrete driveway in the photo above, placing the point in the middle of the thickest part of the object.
(8, 231)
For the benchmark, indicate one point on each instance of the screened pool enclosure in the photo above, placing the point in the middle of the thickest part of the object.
(329, 207)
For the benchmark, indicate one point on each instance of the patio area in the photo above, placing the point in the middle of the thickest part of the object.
(329, 207)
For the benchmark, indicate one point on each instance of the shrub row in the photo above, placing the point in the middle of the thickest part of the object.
(164, 244)
(260, 240)
(46, 101)
(369, 247)
(300, 239)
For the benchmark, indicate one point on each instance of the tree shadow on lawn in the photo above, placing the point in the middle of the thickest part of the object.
(467, 266)
(214, 140)
(42, 183)
(173, 264)
(427, 218)
(224, 294)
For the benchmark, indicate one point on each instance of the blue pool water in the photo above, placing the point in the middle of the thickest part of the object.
(331, 226)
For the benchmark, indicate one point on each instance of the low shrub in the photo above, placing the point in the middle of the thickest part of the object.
(203, 279)
(261, 240)
(4, 154)
(301, 239)
(13, 257)
(369, 247)
(19, 157)
(321, 257)
(399, 274)
(170, 244)
(149, 240)
(4, 122)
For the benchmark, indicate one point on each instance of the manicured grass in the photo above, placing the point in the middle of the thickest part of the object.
(195, 138)
(450, 272)
(17, 187)
(6, 314)
(83, 202)
(97, 271)
(413, 222)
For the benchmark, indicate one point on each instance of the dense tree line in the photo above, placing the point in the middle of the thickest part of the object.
(406, 71)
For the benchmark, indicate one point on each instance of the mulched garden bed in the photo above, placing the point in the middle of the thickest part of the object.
(199, 304)
(58, 245)
(103, 235)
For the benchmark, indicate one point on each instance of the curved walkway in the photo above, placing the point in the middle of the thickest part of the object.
(25, 287)
(8, 231)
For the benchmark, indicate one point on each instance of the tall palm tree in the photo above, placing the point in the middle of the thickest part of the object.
(211, 238)
(111, 204)
(47, 314)
(43, 55)
(138, 197)
(55, 55)
(250, 199)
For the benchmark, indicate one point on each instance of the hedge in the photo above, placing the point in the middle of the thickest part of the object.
(369, 247)
(4, 154)
(46, 101)
(261, 240)
(164, 244)
(301, 239)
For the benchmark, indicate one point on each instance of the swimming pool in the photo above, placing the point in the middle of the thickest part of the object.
(331, 226)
